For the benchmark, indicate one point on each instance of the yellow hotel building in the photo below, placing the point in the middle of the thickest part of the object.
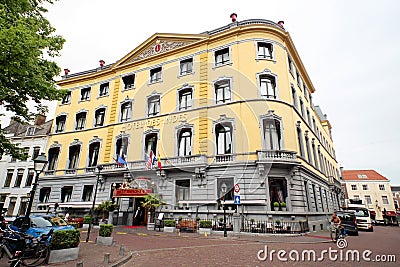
(224, 107)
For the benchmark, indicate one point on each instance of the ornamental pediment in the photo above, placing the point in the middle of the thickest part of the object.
(159, 44)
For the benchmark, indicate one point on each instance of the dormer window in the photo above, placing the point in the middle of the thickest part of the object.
(30, 131)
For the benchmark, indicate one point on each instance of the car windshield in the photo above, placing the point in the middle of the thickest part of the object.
(40, 222)
(360, 212)
(346, 217)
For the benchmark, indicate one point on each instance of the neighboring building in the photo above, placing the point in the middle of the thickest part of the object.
(18, 175)
(373, 189)
(396, 196)
(228, 106)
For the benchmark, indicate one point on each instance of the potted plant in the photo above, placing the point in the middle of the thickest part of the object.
(276, 206)
(169, 226)
(105, 237)
(105, 207)
(64, 246)
(205, 227)
(283, 206)
(151, 203)
(86, 221)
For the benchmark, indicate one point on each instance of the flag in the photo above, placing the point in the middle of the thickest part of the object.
(120, 161)
(159, 162)
(149, 161)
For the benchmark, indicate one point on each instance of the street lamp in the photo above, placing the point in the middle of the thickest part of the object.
(97, 171)
(39, 163)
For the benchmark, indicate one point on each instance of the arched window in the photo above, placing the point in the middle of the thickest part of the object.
(223, 138)
(272, 134)
(185, 143)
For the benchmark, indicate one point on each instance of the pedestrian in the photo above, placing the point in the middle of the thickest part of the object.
(138, 215)
(2, 221)
(67, 217)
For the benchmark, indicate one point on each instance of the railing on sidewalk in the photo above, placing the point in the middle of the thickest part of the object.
(275, 227)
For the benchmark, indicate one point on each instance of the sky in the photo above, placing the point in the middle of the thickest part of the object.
(349, 49)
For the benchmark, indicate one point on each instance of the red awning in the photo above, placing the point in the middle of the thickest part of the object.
(130, 192)
(372, 212)
(391, 213)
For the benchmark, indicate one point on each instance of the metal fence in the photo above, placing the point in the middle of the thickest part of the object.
(274, 227)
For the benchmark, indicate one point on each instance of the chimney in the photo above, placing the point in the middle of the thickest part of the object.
(233, 16)
(102, 62)
(40, 119)
(66, 71)
(280, 23)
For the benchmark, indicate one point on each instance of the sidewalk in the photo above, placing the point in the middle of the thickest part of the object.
(134, 240)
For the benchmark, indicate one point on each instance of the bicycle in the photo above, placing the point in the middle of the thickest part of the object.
(338, 236)
(23, 249)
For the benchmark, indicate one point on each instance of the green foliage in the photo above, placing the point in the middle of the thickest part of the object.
(74, 224)
(170, 223)
(86, 219)
(276, 204)
(221, 219)
(180, 218)
(252, 220)
(278, 222)
(106, 230)
(27, 42)
(205, 224)
(283, 204)
(152, 202)
(106, 206)
(63, 239)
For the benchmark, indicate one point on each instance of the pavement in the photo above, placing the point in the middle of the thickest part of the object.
(129, 243)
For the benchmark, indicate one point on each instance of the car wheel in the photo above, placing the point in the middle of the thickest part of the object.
(371, 229)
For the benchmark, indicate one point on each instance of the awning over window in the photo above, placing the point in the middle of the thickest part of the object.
(372, 212)
(131, 192)
(391, 213)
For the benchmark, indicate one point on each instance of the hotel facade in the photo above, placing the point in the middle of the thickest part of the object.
(231, 106)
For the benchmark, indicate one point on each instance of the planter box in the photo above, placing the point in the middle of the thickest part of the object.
(85, 226)
(204, 230)
(63, 255)
(169, 229)
(106, 241)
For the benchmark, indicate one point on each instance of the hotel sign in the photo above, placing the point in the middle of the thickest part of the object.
(131, 192)
(155, 122)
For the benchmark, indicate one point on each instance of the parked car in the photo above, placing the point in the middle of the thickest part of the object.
(38, 225)
(349, 221)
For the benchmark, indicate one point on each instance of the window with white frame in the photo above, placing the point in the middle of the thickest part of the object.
(60, 123)
(80, 121)
(264, 50)
(85, 94)
(30, 131)
(185, 142)
(185, 99)
(129, 81)
(382, 187)
(365, 187)
(300, 141)
(222, 92)
(353, 187)
(66, 194)
(9, 177)
(299, 80)
(302, 108)
(292, 68)
(153, 106)
(155, 75)
(222, 57)
(53, 158)
(87, 193)
(73, 157)
(36, 151)
(308, 148)
(182, 190)
(121, 146)
(223, 138)
(294, 97)
(66, 99)
(99, 117)
(18, 179)
(104, 88)
(368, 199)
(94, 149)
(272, 134)
(385, 200)
(186, 66)
(44, 194)
(29, 177)
(126, 111)
(151, 144)
(268, 86)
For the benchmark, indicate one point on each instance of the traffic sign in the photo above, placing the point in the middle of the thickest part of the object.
(237, 188)
(236, 200)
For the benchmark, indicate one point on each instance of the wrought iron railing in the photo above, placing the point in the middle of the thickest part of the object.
(275, 227)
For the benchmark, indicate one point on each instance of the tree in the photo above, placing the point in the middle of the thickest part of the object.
(27, 43)
(106, 206)
(152, 202)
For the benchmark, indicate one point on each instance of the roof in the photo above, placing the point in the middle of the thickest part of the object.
(362, 175)
(19, 129)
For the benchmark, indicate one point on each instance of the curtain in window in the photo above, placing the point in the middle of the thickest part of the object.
(272, 138)
(185, 143)
(224, 140)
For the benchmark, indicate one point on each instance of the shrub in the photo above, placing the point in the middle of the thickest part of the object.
(180, 218)
(276, 204)
(252, 220)
(170, 223)
(63, 239)
(283, 204)
(278, 222)
(221, 219)
(86, 219)
(205, 224)
(106, 230)
(74, 224)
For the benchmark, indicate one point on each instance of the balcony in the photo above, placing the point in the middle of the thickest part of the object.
(277, 156)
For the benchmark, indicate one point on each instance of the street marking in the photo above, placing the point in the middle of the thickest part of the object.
(141, 234)
(121, 233)
(191, 247)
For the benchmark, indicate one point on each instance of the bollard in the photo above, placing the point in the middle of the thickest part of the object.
(121, 250)
(79, 264)
(106, 258)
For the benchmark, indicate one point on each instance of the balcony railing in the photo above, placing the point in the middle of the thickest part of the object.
(276, 155)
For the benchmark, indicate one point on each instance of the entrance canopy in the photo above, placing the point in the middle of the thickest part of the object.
(139, 187)
(391, 213)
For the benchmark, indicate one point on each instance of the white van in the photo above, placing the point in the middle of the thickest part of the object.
(363, 217)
